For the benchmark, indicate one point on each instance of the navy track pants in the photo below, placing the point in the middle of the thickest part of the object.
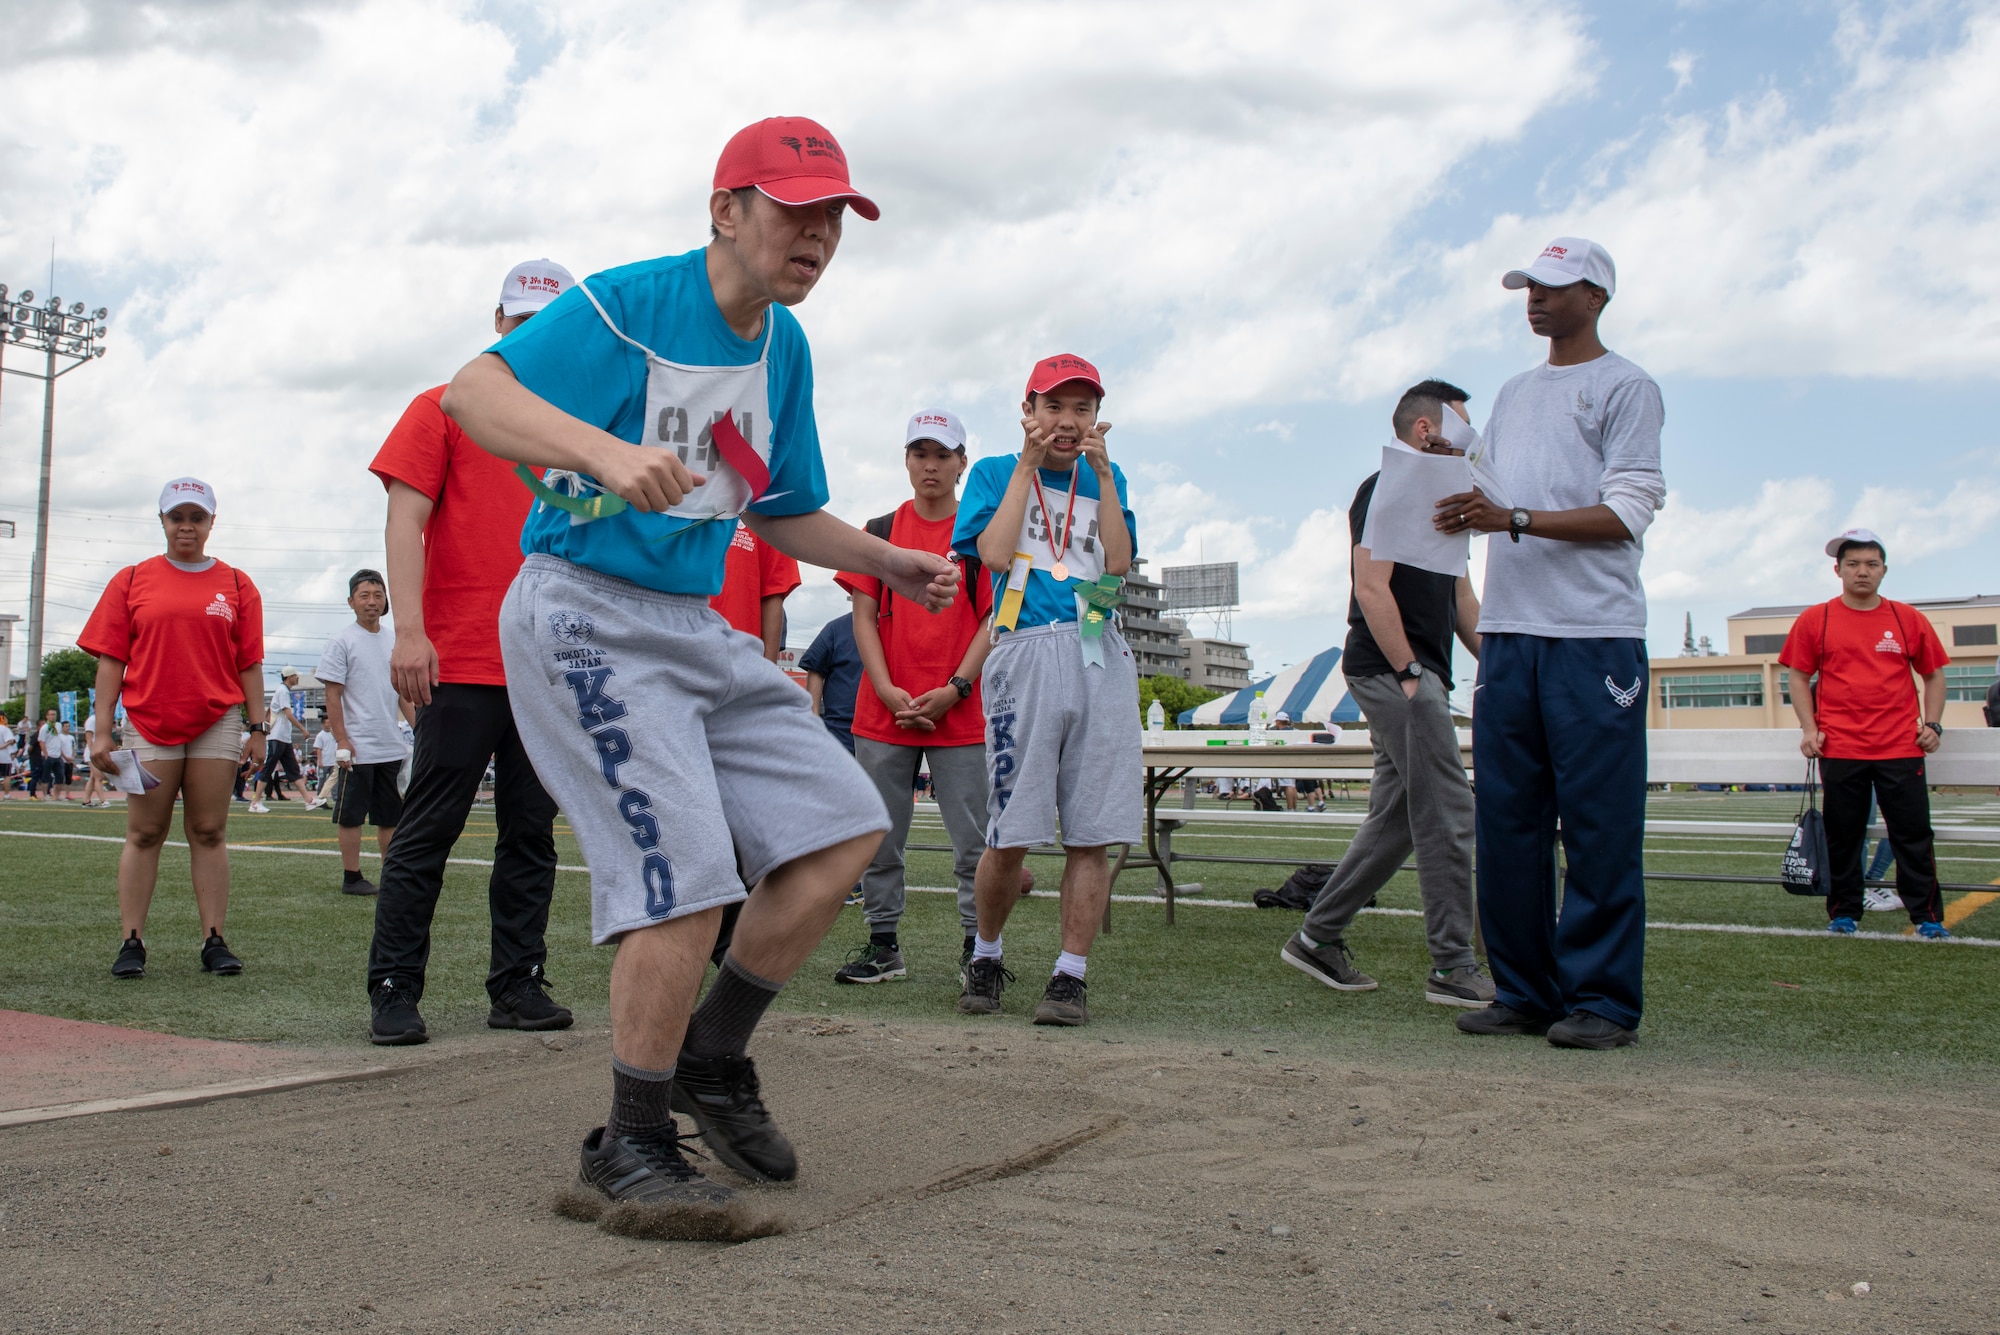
(1559, 732)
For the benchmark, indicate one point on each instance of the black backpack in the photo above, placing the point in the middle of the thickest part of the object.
(969, 566)
(1806, 869)
(1299, 891)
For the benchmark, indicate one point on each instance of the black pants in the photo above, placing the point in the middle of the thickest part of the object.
(457, 732)
(1905, 801)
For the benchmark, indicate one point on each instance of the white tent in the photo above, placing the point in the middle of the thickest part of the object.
(1309, 692)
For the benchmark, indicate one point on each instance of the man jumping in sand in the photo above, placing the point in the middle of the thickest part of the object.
(670, 398)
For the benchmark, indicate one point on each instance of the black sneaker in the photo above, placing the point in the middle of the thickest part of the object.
(984, 982)
(1332, 964)
(721, 1095)
(872, 963)
(646, 1172)
(217, 958)
(1500, 1021)
(1587, 1029)
(360, 885)
(131, 961)
(393, 1018)
(525, 1004)
(1062, 1002)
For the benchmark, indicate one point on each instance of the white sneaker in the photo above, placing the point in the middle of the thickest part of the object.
(1882, 901)
(260, 808)
(315, 804)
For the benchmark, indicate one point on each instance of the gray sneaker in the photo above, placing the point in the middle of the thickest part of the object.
(872, 963)
(1332, 964)
(1464, 986)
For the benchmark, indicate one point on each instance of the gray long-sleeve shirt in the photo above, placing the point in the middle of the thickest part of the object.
(1564, 438)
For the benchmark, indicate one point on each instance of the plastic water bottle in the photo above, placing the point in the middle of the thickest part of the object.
(1260, 718)
(1156, 721)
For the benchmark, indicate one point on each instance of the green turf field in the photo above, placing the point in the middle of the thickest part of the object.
(1879, 1008)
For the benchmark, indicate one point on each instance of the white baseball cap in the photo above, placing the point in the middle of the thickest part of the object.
(532, 285)
(1281, 717)
(187, 490)
(285, 672)
(1855, 535)
(1566, 260)
(942, 427)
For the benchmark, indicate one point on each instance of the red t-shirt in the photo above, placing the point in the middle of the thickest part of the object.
(1867, 703)
(923, 650)
(472, 544)
(752, 572)
(185, 640)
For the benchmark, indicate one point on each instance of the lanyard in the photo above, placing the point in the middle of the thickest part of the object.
(1059, 571)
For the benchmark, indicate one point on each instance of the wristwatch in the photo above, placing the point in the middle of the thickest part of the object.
(1414, 672)
(1937, 728)
(1517, 524)
(964, 687)
(260, 727)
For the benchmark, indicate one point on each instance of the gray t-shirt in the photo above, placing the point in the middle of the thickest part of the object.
(1563, 438)
(359, 664)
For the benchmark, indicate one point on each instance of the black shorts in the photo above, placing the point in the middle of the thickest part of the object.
(1308, 785)
(281, 756)
(368, 796)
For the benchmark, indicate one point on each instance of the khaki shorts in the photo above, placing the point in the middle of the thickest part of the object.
(223, 741)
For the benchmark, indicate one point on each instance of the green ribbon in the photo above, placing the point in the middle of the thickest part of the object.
(1095, 600)
(585, 508)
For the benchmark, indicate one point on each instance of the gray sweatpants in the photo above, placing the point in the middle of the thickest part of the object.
(1419, 799)
(1062, 741)
(958, 777)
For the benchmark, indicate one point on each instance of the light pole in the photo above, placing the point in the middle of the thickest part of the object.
(76, 337)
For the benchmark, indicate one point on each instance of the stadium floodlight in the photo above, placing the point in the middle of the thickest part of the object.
(75, 337)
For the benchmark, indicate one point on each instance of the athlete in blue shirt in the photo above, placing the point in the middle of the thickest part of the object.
(1060, 688)
(667, 400)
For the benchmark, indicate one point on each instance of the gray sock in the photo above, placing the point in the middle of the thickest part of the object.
(735, 1002)
(639, 1102)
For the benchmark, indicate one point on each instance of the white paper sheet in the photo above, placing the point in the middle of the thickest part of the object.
(132, 777)
(1400, 515)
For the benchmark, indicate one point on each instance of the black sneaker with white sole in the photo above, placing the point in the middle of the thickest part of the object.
(985, 980)
(393, 1020)
(131, 961)
(1063, 1001)
(872, 963)
(525, 1004)
(1500, 1021)
(216, 956)
(721, 1094)
(1332, 964)
(646, 1172)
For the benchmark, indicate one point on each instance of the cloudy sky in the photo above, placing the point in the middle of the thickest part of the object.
(1261, 221)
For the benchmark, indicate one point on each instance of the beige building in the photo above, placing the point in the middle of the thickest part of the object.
(1218, 665)
(1745, 688)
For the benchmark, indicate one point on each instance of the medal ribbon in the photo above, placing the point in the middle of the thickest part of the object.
(1009, 611)
(1075, 476)
(1095, 600)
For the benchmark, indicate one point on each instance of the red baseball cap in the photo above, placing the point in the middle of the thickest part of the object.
(1061, 369)
(791, 159)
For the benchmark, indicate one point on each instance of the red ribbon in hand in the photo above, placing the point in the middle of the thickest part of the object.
(736, 452)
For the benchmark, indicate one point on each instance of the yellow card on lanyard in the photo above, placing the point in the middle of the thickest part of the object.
(1017, 588)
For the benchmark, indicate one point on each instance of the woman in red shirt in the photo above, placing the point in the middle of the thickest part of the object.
(181, 636)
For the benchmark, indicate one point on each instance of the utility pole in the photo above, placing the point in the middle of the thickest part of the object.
(76, 337)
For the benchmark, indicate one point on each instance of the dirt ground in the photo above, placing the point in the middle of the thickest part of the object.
(1001, 1178)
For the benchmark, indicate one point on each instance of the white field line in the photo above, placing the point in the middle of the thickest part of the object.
(1180, 900)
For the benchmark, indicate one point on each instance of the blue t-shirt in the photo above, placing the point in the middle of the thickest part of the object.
(1046, 602)
(835, 656)
(568, 356)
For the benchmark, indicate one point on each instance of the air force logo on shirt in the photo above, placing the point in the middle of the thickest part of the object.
(1624, 695)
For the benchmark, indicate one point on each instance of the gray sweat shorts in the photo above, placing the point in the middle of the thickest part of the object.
(688, 765)
(1062, 741)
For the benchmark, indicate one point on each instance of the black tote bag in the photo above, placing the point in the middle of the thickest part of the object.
(1806, 870)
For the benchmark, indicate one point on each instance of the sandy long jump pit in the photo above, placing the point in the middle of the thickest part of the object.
(1001, 1178)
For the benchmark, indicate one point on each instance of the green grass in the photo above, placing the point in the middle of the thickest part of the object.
(1885, 1011)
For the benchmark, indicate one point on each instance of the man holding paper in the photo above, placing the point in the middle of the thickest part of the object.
(1397, 662)
(1559, 715)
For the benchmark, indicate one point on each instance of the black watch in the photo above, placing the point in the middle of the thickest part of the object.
(260, 727)
(1937, 728)
(1517, 524)
(964, 687)
(1414, 672)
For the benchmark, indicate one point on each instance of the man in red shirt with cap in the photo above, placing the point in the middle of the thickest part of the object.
(1862, 721)
(453, 543)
